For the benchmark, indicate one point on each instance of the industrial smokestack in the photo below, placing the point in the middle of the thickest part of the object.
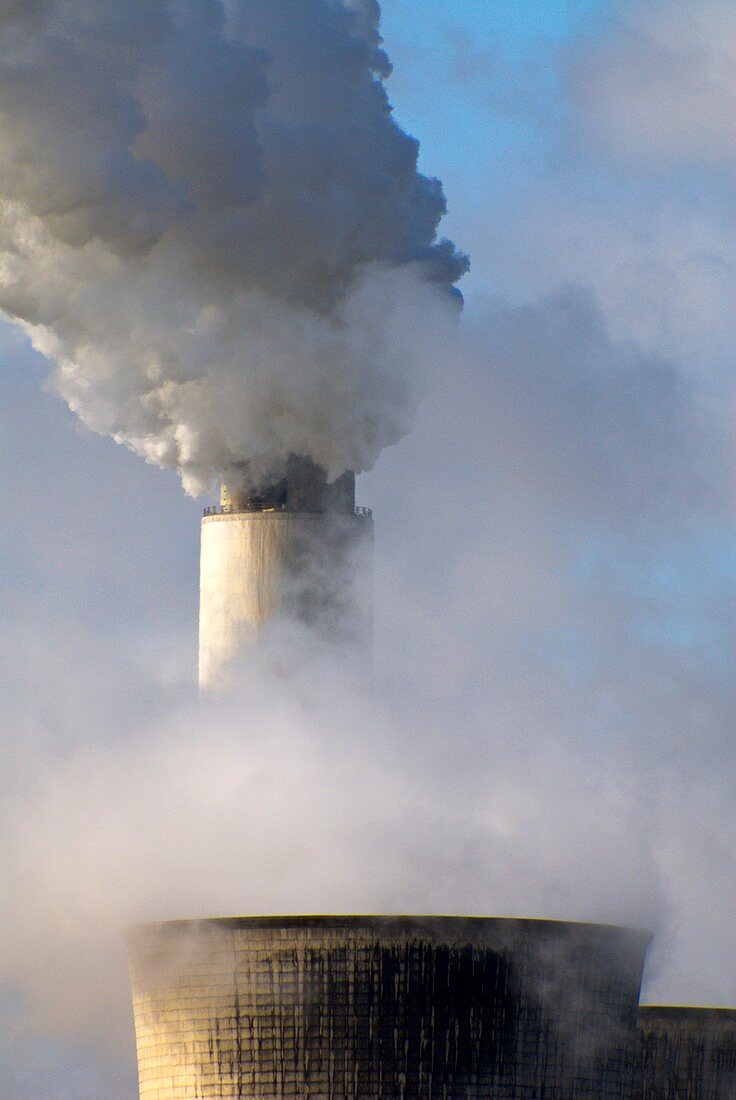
(297, 548)
(686, 1054)
(225, 247)
(358, 1008)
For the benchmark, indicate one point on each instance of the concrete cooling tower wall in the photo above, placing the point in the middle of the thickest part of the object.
(686, 1054)
(378, 1007)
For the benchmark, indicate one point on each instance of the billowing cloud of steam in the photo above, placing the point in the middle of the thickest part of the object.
(543, 733)
(659, 87)
(207, 214)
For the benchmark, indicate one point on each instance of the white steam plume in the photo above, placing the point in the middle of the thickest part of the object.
(207, 213)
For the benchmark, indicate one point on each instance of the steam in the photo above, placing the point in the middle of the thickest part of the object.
(207, 217)
(545, 734)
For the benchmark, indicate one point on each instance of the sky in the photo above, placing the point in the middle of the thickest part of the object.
(549, 727)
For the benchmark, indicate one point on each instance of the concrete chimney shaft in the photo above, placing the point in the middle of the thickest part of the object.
(297, 548)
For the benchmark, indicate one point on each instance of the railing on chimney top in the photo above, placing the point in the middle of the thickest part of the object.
(232, 510)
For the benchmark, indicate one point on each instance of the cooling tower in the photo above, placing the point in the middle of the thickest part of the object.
(360, 1008)
(686, 1054)
(299, 549)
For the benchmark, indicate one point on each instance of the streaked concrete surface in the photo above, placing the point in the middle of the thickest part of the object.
(359, 1008)
(686, 1053)
(315, 567)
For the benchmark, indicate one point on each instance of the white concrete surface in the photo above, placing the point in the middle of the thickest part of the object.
(258, 565)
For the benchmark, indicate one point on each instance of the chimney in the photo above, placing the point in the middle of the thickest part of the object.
(297, 548)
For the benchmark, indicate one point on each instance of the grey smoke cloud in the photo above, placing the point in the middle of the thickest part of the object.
(658, 86)
(206, 215)
(635, 198)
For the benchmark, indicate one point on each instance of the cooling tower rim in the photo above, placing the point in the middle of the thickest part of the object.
(676, 1012)
(446, 927)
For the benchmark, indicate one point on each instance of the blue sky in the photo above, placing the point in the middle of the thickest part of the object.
(446, 57)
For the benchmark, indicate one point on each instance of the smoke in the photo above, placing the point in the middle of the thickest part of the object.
(659, 88)
(207, 215)
(537, 739)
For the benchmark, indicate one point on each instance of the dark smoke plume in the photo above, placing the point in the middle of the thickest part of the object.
(212, 225)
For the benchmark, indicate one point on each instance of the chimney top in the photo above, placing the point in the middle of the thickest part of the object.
(305, 488)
